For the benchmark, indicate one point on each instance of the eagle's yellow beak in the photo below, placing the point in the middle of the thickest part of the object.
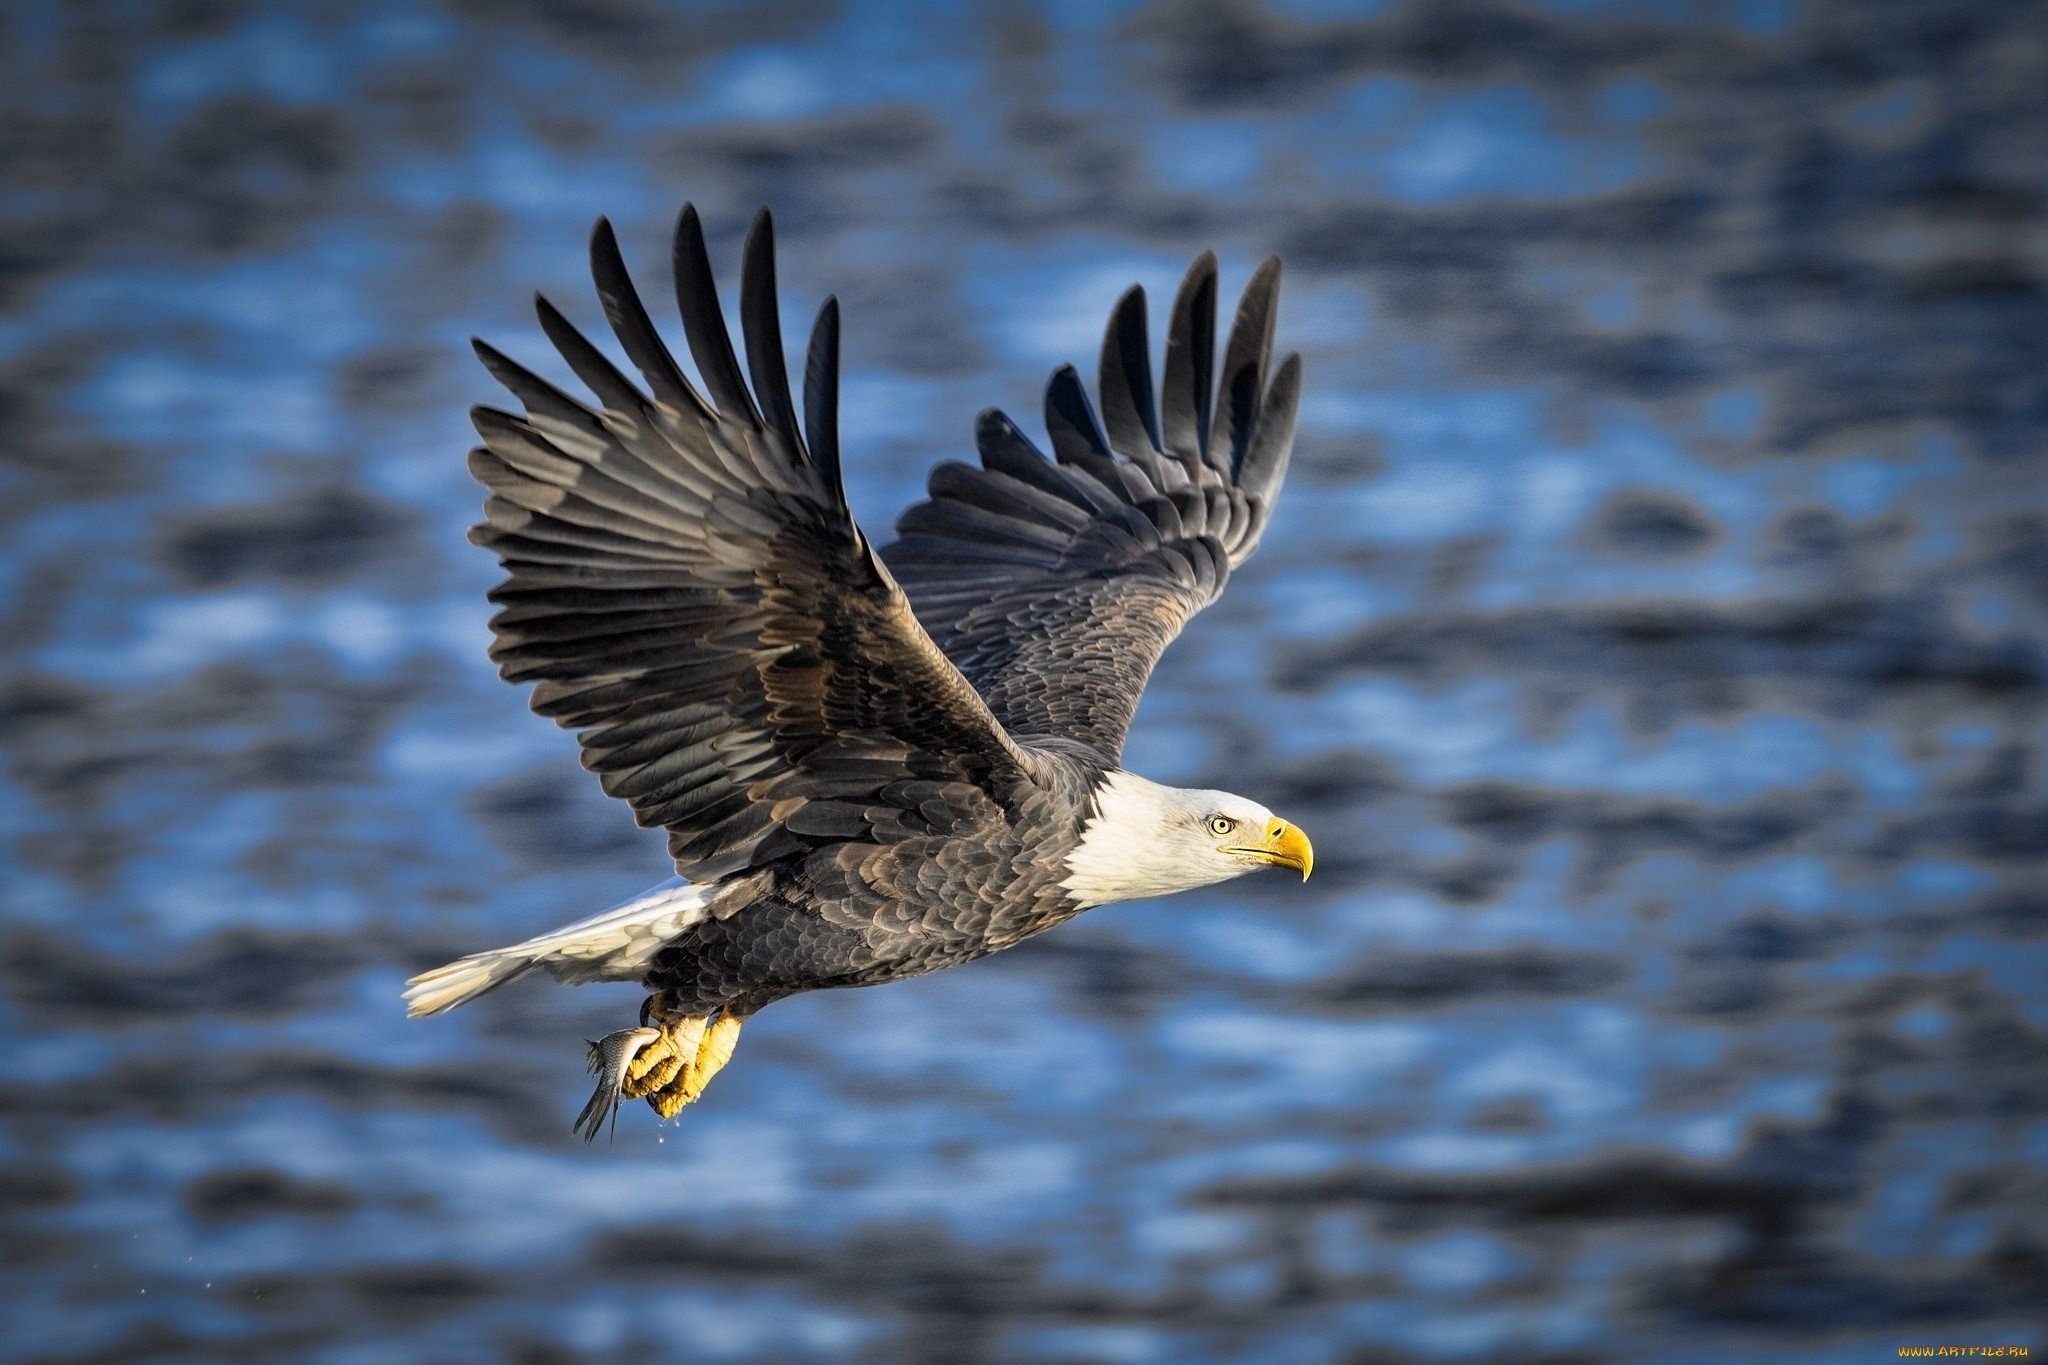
(1283, 846)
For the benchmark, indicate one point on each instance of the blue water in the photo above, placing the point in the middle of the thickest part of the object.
(1651, 638)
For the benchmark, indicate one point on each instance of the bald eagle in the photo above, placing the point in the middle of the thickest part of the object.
(870, 765)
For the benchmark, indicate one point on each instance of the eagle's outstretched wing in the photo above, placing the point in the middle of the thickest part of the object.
(1055, 586)
(690, 593)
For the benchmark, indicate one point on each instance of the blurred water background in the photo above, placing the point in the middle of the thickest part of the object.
(1651, 639)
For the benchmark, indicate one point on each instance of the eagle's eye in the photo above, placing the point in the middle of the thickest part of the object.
(1222, 824)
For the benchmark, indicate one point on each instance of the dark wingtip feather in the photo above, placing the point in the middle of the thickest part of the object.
(1130, 412)
(1077, 434)
(602, 377)
(1189, 386)
(1244, 363)
(551, 318)
(992, 421)
(821, 390)
(704, 320)
(484, 417)
(1265, 463)
(632, 326)
(1251, 331)
(503, 368)
(761, 324)
(1008, 451)
(1078, 440)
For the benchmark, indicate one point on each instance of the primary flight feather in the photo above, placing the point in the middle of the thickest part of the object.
(870, 765)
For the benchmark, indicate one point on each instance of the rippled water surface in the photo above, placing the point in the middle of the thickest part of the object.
(1651, 639)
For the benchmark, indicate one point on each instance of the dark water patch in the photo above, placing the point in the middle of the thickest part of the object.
(288, 721)
(2018, 914)
(2016, 550)
(914, 319)
(1406, 981)
(666, 1253)
(1641, 522)
(424, 102)
(1511, 1115)
(1823, 540)
(61, 456)
(763, 163)
(1729, 993)
(322, 537)
(1768, 936)
(1330, 781)
(1620, 1188)
(30, 702)
(26, 1188)
(947, 1299)
(160, 1338)
(1248, 55)
(411, 1294)
(35, 1247)
(241, 173)
(1112, 979)
(1806, 1292)
(517, 1103)
(547, 818)
(239, 973)
(1986, 832)
(642, 39)
(253, 1192)
(1475, 879)
(1615, 829)
(393, 380)
(2004, 775)
(1851, 644)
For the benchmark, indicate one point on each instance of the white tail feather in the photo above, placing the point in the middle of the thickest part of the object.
(617, 945)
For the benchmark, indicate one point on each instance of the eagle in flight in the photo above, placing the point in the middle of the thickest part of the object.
(870, 764)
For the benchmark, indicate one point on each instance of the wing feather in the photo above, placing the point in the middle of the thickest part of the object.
(1056, 584)
(688, 591)
(1191, 363)
(704, 323)
(634, 328)
(1130, 412)
(761, 322)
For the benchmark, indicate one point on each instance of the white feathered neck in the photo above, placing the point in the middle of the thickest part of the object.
(1151, 840)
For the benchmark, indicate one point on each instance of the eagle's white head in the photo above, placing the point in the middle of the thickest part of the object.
(1150, 840)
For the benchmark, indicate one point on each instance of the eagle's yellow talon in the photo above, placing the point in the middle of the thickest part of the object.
(661, 1061)
(656, 1065)
(713, 1051)
(668, 1103)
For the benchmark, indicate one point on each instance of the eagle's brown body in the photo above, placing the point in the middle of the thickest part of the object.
(987, 878)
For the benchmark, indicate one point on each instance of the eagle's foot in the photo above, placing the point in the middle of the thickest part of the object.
(673, 1047)
(667, 1061)
(713, 1051)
